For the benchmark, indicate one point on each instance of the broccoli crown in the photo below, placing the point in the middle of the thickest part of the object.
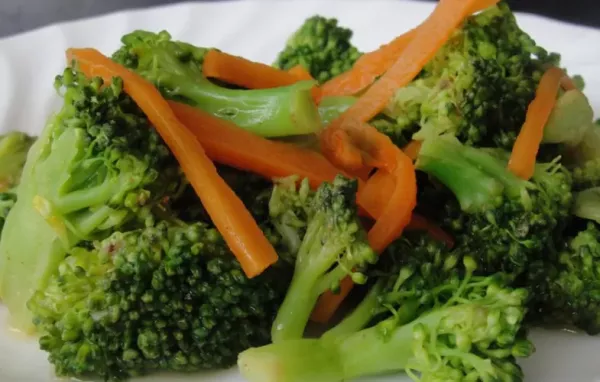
(499, 219)
(7, 202)
(168, 297)
(566, 285)
(101, 131)
(321, 46)
(14, 147)
(478, 86)
(175, 68)
(436, 321)
(586, 175)
(334, 245)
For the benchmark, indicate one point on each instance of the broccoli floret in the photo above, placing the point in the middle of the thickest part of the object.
(500, 219)
(566, 285)
(479, 85)
(428, 316)
(169, 297)
(333, 246)
(321, 46)
(176, 69)
(98, 166)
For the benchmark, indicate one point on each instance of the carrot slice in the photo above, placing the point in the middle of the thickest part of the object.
(374, 64)
(226, 143)
(524, 152)
(301, 73)
(412, 149)
(245, 73)
(243, 236)
(430, 36)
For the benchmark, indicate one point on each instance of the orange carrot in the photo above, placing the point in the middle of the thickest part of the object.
(412, 149)
(301, 73)
(248, 74)
(367, 68)
(420, 223)
(567, 83)
(524, 152)
(401, 203)
(226, 143)
(245, 239)
(429, 37)
(374, 195)
(374, 64)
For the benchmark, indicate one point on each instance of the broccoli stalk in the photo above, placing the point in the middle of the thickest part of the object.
(333, 246)
(176, 69)
(98, 166)
(426, 315)
(501, 219)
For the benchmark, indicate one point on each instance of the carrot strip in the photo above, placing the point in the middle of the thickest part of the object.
(430, 36)
(367, 68)
(567, 83)
(243, 236)
(301, 73)
(524, 152)
(242, 72)
(412, 149)
(226, 143)
(374, 64)
(420, 223)
(374, 195)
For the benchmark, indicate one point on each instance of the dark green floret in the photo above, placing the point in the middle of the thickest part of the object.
(566, 285)
(321, 46)
(499, 219)
(169, 297)
(478, 86)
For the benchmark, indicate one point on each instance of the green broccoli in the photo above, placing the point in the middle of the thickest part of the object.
(478, 86)
(7, 202)
(176, 69)
(426, 314)
(321, 46)
(500, 219)
(14, 147)
(333, 246)
(566, 285)
(98, 166)
(168, 297)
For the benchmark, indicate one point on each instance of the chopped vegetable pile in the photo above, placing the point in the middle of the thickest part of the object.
(334, 215)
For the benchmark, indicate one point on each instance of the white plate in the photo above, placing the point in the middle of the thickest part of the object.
(258, 30)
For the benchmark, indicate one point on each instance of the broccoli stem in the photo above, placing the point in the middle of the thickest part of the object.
(379, 349)
(332, 107)
(275, 112)
(313, 261)
(445, 159)
(361, 315)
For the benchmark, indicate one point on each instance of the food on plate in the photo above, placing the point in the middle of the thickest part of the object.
(337, 214)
